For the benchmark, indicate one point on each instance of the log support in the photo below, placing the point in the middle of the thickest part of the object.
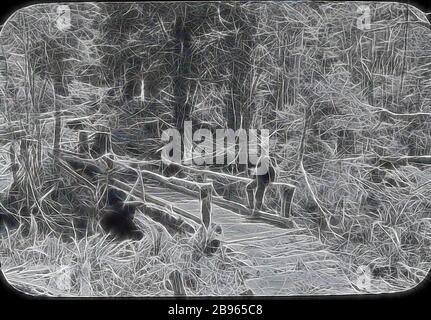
(205, 195)
(176, 283)
(83, 148)
(286, 196)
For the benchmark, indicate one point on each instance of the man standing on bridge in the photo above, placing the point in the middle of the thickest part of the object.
(263, 174)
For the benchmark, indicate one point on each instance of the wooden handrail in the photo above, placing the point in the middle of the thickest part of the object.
(285, 190)
(225, 175)
(221, 202)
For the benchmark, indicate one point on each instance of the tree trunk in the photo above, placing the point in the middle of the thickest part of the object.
(182, 67)
(60, 90)
(132, 79)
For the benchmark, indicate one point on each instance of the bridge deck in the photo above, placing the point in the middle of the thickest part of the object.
(279, 261)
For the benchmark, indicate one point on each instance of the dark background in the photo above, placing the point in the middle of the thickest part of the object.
(403, 304)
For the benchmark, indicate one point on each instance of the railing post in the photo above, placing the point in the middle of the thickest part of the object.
(177, 283)
(102, 145)
(286, 193)
(102, 142)
(83, 148)
(205, 195)
(259, 194)
(14, 165)
(250, 193)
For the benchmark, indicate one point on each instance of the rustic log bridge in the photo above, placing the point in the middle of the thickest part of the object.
(234, 206)
(284, 191)
(192, 188)
(203, 191)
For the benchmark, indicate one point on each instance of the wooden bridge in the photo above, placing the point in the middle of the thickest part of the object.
(279, 257)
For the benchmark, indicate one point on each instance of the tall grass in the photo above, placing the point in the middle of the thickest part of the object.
(95, 265)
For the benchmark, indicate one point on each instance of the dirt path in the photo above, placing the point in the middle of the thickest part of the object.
(280, 261)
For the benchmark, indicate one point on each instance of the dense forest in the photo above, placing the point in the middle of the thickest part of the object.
(347, 109)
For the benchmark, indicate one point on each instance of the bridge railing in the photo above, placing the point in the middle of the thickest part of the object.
(235, 193)
(277, 198)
